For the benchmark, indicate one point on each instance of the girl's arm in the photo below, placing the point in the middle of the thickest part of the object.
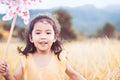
(7, 75)
(18, 74)
(72, 73)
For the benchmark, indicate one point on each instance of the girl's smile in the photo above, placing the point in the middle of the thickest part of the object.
(43, 43)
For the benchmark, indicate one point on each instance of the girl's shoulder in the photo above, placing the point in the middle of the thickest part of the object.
(24, 58)
(63, 55)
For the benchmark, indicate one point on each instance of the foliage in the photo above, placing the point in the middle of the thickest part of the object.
(1, 36)
(17, 33)
(6, 27)
(21, 33)
(109, 30)
(64, 19)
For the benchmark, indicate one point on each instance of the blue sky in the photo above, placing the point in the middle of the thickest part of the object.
(74, 3)
(71, 3)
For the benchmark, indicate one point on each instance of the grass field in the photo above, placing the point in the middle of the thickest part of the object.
(95, 59)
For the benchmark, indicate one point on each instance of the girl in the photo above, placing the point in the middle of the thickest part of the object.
(42, 57)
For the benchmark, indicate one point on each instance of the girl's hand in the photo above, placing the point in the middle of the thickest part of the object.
(4, 69)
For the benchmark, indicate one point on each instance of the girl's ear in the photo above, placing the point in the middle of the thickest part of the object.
(30, 37)
(55, 39)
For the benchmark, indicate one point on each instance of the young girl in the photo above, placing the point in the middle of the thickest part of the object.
(43, 58)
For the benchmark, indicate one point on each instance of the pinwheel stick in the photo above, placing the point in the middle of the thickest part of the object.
(10, 35)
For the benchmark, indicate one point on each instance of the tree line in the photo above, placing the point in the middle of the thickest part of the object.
(67, 31)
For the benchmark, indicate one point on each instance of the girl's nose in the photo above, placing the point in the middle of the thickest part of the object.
(43, 36)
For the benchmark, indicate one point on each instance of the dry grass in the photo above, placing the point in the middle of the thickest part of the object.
(95, 59)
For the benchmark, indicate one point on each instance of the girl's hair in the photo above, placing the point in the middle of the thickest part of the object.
(56, 46)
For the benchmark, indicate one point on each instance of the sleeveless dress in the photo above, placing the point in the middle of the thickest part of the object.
(55, 70)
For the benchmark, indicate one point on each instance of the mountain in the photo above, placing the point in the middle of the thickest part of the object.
(86, 18)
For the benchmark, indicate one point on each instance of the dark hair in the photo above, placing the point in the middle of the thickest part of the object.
(56, 46)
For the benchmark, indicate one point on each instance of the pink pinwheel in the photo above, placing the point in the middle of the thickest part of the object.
(19, 7)
(14, 8)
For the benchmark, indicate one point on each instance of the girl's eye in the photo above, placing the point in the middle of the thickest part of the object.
(37, 33)
(48, 33)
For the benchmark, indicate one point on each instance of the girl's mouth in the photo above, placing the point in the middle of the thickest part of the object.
(43, 42)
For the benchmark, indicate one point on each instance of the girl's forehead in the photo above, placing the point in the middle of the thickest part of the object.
(43, 25)
(46, 20)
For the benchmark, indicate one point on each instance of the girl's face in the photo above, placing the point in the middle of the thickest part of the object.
(43, 36)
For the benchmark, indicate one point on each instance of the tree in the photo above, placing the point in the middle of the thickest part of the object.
(109, 30)
(1, 36)
(6, 27)
(64, 18)
(98, 33)
(21, 33)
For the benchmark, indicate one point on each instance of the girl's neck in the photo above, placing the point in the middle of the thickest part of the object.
(43, 52)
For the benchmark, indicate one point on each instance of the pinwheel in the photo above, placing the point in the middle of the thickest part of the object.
(14, 8)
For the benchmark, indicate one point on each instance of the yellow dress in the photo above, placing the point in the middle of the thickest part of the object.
(55, 70)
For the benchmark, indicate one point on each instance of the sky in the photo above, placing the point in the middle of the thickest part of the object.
(71, 3)
(74, 3)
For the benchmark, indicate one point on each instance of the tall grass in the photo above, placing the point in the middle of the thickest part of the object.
(95, 59)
